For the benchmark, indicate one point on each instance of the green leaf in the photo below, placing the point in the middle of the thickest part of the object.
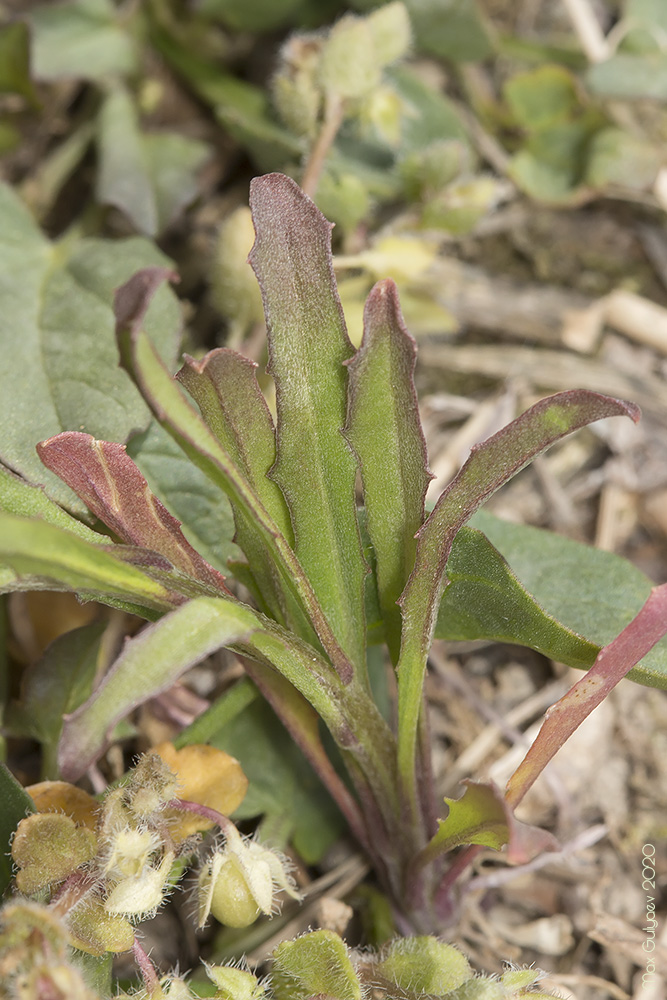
(187, 493)
(308, 344)
(16, 804)
(83, 38)
(490, 465)
(122, 175)
(617, 157)
(143, 364)
(542, 97)
(113, 488)
(450, 29)
(15, 62)
(630, 77)
(259, 16)
(58, 683)
(149, 663)
(482, 816)
(148, 177)
(484, 600)
(60, 369)
(423, 966)
(315, 964)
(46, 557)
(225, 388)
(20, 498)
(384, 429)
(431, 116)
(592, 592)
(283, 787)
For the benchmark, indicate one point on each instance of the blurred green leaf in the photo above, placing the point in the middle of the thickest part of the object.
(617, 157)
(56, 684)
(450, 29)
(56, 325)
(15, 62)
(431, 116)
(260, 16)
(148, 177)
(82, 38)
(542, 97)
(16, 804)
(592, 592)
(630, 77)
(188, 494)
(651, 13)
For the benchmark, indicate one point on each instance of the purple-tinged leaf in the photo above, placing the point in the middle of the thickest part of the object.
(113, 488)
(181, 420)
(149, 664)
(482, 816)
(612, 664)
(308, 345)
(490, 465)
(384, 429)
(224, 386)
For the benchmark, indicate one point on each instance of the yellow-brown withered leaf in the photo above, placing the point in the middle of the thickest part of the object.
(207, 776)
(61, 797)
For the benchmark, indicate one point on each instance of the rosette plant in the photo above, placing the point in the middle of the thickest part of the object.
(324, 577)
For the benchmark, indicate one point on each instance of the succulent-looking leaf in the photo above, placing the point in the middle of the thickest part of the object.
(150, 663)
(490, 465)
(384, 429)
(612, 664)
(113, 488)
(308, 344)
(180, 419)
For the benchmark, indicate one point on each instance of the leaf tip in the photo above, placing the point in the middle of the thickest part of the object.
(132, 299)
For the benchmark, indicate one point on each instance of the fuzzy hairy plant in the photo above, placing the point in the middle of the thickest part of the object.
(327, 580)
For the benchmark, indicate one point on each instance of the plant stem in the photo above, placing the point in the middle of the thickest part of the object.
(146, 968)
(333, 119)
